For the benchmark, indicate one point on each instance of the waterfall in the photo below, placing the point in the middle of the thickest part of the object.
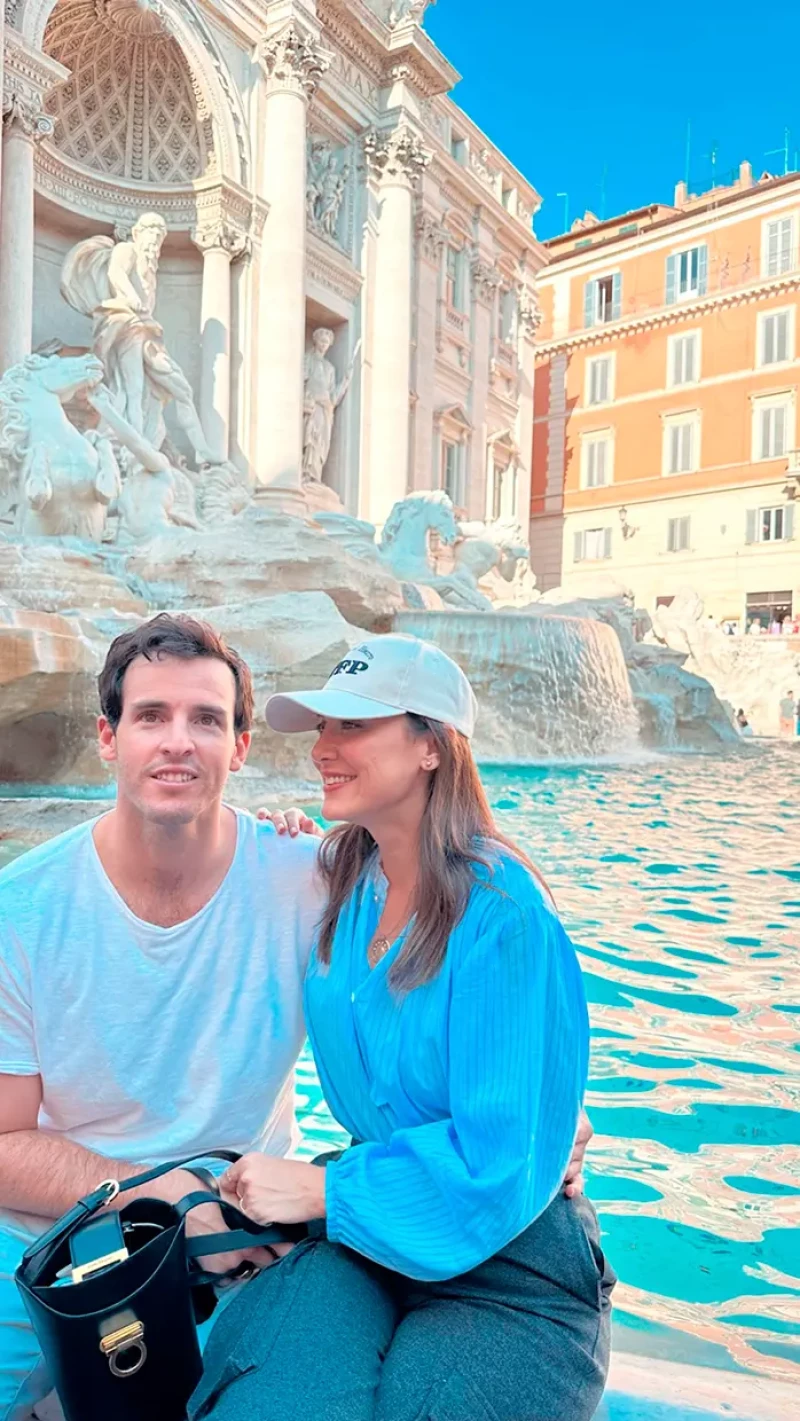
(549, 686)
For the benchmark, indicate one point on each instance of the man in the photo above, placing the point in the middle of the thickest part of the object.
(151, 967)
(786, 712)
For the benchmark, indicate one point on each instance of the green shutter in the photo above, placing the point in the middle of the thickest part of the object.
(788, 521)
(671, 280)
(577, 547)
(751, 526)
(588, 303)
(606, 542)
(616, 296)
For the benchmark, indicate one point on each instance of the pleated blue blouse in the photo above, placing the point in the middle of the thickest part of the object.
(465, 1092)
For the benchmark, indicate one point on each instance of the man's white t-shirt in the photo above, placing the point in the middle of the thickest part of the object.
(156, 1043)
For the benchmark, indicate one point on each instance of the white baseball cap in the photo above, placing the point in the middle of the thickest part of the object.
(383, 676)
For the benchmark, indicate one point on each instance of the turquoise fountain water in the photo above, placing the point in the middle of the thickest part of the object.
(679, 880)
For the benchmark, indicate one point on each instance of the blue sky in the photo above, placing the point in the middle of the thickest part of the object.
(567, 90)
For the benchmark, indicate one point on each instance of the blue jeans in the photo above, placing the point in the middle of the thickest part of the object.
(326, 1333)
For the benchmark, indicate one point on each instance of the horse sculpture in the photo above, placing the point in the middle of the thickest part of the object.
(405, 546)
(59, 480)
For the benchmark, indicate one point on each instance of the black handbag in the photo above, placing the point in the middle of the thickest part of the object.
(114, 1297)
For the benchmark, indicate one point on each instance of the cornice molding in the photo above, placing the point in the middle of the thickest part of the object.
(671, 315)
(331, 269)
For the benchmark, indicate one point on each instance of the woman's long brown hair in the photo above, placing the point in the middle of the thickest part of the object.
(456, 835)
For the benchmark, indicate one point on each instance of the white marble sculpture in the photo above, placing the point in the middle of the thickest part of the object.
(405, 546)
(326, 185)
(413, 11)
(497, 554)
(115, 284)
(322, 395)
(59, 480)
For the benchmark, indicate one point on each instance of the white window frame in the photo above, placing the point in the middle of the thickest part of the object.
(604, 534)
(772, 509)
(784, 400)
(670, 421)
(784, 262)
(681, 518)
(692, 292)
(672, 342)
(459, 301)
(611, 360)
(761, 328)
(444, 445)
(590, 441)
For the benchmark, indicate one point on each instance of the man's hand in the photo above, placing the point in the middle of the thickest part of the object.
(291, 821)
(573, 1179)
(207, 1219)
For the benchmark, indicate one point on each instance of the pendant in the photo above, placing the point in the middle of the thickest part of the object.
(378, 948)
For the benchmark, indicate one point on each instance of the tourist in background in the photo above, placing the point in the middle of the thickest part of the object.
(788, 714)
(448, 1274)
(743, 724)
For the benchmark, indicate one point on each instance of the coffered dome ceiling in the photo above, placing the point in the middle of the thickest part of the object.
(130, 108)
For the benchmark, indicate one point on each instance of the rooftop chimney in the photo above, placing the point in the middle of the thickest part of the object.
(745, 174)
(681, 194)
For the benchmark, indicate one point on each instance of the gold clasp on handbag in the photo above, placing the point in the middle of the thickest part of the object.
(125, 1339)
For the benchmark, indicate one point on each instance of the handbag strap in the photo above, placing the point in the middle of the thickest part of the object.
(242, 1232)
(91, 1203)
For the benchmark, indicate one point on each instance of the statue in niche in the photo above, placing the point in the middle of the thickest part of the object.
(59, 481)
(323, 393)
(115, 283)
(325, 188)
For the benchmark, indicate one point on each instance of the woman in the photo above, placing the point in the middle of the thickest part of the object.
(447, 1276)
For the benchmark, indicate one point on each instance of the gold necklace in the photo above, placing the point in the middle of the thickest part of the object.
(381, 943)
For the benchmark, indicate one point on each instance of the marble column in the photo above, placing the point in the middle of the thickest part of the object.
(23, 125)
(485, 281)
(431, 241)
(220, 243)
(529, 318)
(395, 160)
(293, 64)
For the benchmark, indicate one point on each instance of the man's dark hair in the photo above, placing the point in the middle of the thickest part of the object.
(181, 636)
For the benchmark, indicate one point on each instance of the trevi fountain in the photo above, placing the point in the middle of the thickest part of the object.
(267, 323)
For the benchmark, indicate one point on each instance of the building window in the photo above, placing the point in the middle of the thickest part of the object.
(506, 312)
(448, 473)
(778, 246)
(683, 359)
(681, 443)
(602, 300)
(629, 230)
(458, 149)
(770, 525)
(677, 535)
(597, 459)
(599, 380)
(503, 502)
(775, 337)
(592, 545)
(768, 607)
(772, 420)
(687, 274)
(506, 198)
(455, 285)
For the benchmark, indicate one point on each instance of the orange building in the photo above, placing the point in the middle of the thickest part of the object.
(665, 429)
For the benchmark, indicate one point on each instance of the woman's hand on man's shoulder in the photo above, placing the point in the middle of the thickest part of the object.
(290, 821)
